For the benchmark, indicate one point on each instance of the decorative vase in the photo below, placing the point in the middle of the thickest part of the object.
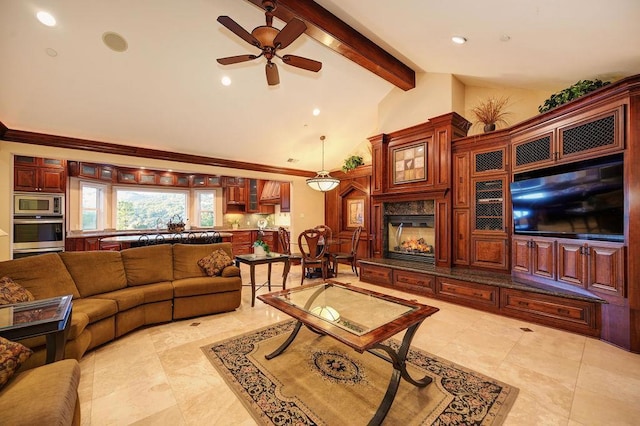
(234, 226)
(259, 250)
(490, 127)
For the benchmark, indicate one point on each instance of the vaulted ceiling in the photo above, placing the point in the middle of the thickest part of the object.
(164, 91)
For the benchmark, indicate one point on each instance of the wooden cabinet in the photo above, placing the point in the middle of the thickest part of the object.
(206, 181)
(414, 282)
(235, 195)
(34, 174)
(593, 265)
(228, 181)
(91, 171)
(461, 180)
(574, 315)
(596, 266)
(534, 257)
(285, 197)
(376, 274)
(242, 242)
(270, 192)
(253, 202)
(588, 135)
(485, 297)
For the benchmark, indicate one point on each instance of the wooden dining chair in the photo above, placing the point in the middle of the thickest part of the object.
(313, 253)
(349, 257)
(326, 240)
(285, 246)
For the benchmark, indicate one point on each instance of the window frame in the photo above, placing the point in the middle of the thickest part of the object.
(101, 191)
(197, 213)
(138, 188)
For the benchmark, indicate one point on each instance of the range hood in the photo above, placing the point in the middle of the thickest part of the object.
(270, 193)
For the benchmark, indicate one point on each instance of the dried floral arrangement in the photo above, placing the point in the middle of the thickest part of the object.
(491, 111)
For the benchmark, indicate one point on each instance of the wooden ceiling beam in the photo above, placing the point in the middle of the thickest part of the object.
(337, 35)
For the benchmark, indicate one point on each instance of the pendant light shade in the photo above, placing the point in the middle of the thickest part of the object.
(323, 182)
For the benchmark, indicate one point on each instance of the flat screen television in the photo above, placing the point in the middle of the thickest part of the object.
(584, 201)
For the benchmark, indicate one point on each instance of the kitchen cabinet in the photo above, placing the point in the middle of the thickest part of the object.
(228, 181)
(206, 181)
(254, 205)
(91, 171)
(34, 174)
(588, 135)
(285, 197)
(242, 242)
(270, 192)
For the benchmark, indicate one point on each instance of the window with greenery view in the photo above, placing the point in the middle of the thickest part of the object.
(148, 208)
(206, 202)
(92, 206)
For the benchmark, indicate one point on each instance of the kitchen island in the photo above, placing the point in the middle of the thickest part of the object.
(242, 239)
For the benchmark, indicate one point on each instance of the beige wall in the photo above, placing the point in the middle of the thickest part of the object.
(523, 104)
(307, 205)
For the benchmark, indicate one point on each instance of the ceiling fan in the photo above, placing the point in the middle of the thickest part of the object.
(270, 39)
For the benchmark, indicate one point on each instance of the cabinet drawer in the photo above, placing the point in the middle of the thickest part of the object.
(414, 281)
(241, 237)
(575, 315)
(473, 294)
(376, 274)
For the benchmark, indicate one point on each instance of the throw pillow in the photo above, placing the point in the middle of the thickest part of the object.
(215, 262)
(12, 292)
(12, 355)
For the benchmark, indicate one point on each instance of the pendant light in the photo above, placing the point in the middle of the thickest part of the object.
(323, 182)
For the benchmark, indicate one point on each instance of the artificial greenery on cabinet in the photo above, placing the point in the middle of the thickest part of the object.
(581, 88)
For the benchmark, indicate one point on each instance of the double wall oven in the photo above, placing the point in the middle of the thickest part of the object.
(38, 224)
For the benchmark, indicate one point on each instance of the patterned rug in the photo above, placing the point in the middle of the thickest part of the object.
(320, 381)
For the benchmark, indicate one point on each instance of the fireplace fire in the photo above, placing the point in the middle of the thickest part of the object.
(410, 237)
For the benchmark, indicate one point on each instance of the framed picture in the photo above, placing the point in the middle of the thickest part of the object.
(409, 163)
(355, 212)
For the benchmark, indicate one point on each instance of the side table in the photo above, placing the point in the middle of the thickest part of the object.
(45, 317)
(259, 259)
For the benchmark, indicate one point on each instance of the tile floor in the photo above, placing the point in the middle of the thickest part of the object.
(159, 375)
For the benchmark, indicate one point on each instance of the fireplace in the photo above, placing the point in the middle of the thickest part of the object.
(409, 231)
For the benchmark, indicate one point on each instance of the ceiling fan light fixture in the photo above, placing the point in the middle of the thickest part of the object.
(322, 181)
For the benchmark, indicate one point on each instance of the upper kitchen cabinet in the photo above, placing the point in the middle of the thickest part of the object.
(34, 174)
(91, 171)
(206, 181)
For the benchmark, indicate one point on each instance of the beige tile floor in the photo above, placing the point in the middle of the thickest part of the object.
(159, 375)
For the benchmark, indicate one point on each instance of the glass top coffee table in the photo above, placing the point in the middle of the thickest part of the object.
(48, 317)
(360, 318)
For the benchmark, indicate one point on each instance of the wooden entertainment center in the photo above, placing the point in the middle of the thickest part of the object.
(590, 286)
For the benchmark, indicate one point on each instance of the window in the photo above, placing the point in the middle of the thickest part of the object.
(205, 205)
(148, 208)
(91, 209)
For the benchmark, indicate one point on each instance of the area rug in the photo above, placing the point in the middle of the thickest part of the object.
(320, 381)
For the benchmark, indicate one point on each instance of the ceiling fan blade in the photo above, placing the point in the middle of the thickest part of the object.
(235, 28)
(273, 78)
(300, 62)
(235, 59)
(289, 33)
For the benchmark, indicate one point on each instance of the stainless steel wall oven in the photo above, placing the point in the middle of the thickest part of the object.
(38, 224)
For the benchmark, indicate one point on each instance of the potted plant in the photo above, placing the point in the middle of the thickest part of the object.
(235, 223)
(351, 163)
(491, 112)
(260, 247)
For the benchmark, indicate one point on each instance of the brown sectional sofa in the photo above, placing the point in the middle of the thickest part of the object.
(117, 292)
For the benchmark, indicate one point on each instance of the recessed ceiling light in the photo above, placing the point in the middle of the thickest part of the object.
(51, 52)
(316, 111)
(226, 81)
(505, 37)
(46, 18)
(458, 40)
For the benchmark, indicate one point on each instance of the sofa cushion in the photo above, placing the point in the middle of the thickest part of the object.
(95, 272)
(205, 285)
(12, 292)
(231, 271)
(151, 264)
(186, 256)
(42, 395)
(44, 276)
(215, 262)
(96, 309)
(12, 355)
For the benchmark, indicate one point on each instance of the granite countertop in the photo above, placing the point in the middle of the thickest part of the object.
(489, 278)
(113, 232)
